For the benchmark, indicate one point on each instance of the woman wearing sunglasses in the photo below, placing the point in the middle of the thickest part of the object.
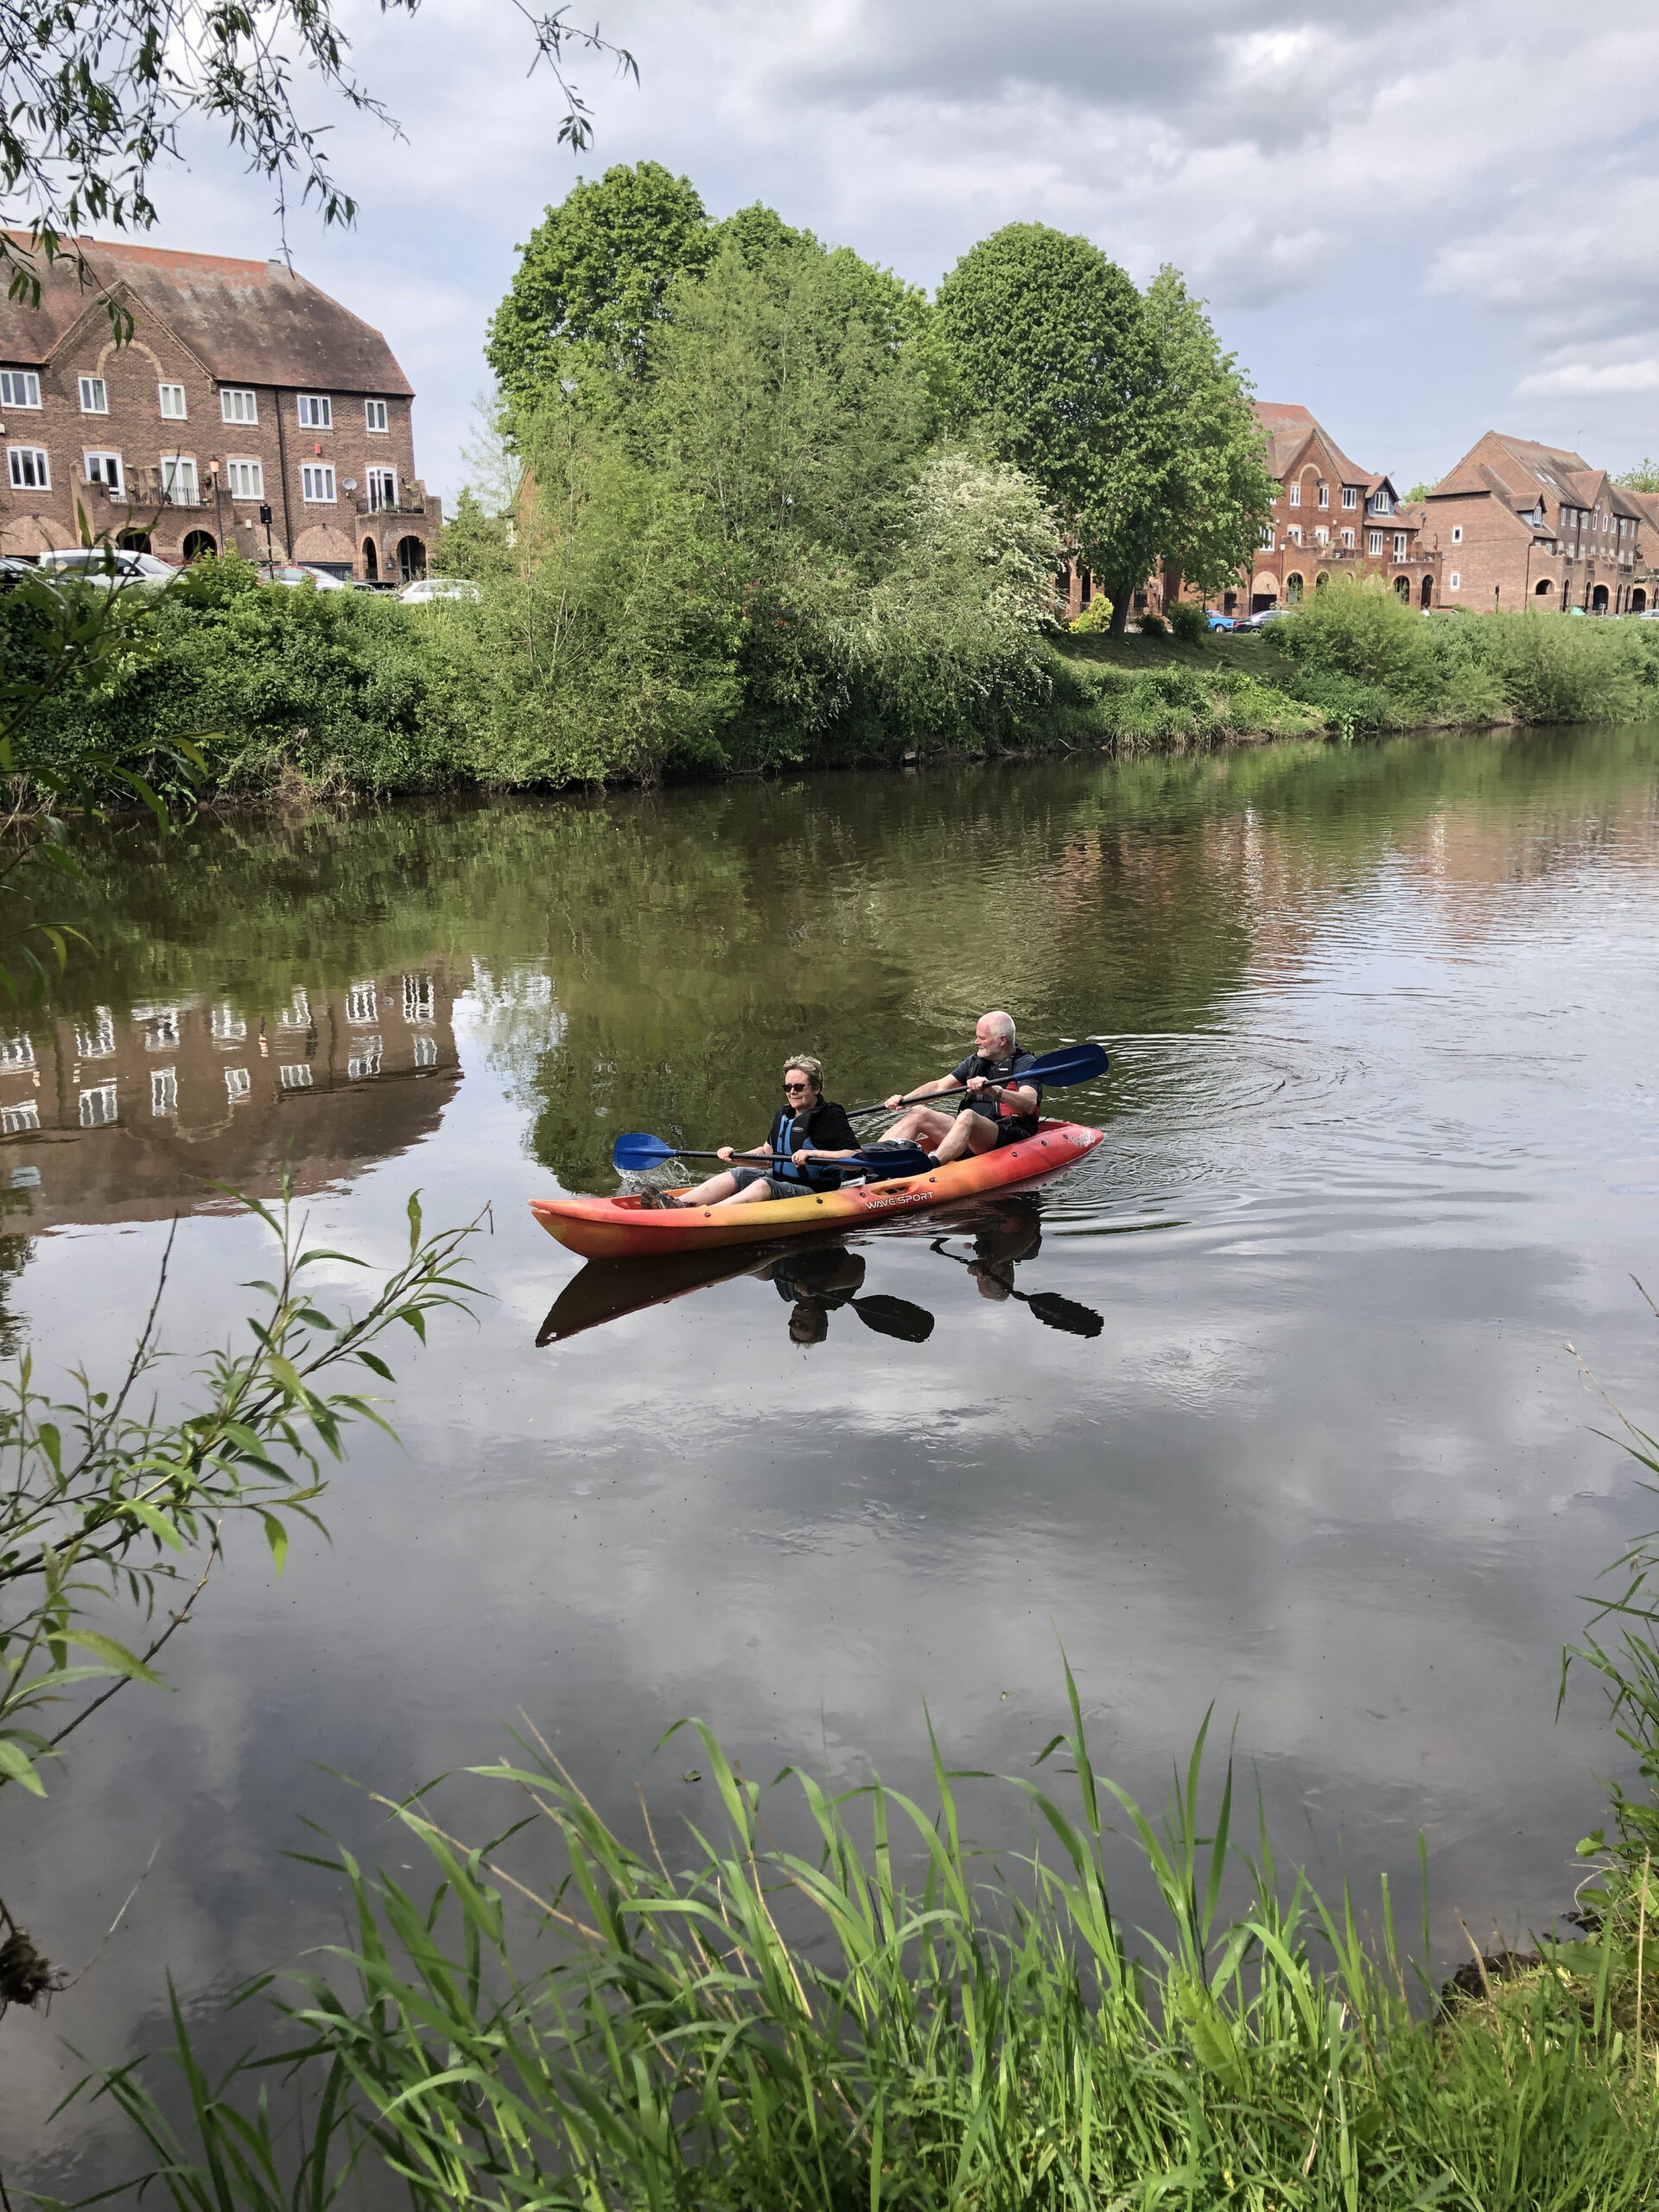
(810, 1131)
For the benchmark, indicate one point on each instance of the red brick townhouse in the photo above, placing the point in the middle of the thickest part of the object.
(1331, 518)
(1524, 524)
(244, 388)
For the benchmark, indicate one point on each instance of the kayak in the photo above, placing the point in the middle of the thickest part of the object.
(624, 1228)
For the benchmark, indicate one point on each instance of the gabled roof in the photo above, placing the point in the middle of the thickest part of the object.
(1290, 430)
(246, 321)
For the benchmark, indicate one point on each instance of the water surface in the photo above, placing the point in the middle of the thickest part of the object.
(1290, 1427)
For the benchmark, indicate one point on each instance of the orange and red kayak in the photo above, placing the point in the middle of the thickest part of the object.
(625, 1228)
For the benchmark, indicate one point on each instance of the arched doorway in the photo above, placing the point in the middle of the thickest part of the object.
(1427, 595)
(199, 545)
(1402, 588)
(411, 559)
(135, 541)
(1599, 600)
(1638, 601)
(1542, 589)
(371, 562)
(1321, 580)
(1292, 590)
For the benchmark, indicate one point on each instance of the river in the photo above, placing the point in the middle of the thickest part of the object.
(1295, 1430)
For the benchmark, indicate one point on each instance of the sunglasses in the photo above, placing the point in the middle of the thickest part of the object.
(798, 1086)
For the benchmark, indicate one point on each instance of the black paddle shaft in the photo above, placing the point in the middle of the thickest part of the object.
(1047, 1071)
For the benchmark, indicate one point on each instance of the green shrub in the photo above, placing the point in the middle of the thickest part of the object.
(1095, 619)
(1152, 626)
(1188, 622)
(1359, 628)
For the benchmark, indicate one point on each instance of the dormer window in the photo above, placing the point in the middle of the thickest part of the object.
(1350, 495)
(1381, 504)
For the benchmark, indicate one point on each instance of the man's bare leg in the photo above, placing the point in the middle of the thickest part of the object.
(923, 1125)
(975, 1132)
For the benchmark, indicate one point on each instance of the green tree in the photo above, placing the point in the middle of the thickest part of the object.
(1048, 339)
(592, 278)
(1645, 477)
(474, 543)
(1206, 491)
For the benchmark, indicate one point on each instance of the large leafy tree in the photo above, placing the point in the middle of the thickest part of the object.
(94, 92)
(1047, 339)
(593, 277)
(1194, 489)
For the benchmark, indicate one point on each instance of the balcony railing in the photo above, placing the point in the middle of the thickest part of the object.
(411, 500)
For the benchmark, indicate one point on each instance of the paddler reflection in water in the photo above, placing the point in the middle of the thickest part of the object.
(1015, 1232)
(998, 1109)
(810, 1131)
(813, 1284)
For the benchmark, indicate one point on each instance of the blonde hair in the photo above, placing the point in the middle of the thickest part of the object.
(803, 1064)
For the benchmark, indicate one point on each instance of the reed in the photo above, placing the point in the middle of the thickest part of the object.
(759, 2026)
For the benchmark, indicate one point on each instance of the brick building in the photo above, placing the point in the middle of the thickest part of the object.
(1331, 518)
(243, 387)
(1524, 524)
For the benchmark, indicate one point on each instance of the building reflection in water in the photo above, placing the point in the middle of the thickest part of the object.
(113, 1117)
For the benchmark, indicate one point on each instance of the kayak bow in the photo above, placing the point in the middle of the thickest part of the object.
(624, 1228)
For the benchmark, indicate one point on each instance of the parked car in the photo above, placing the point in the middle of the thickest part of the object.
(293, 577)
(1268, 614)
(115, 565)
(426, 588)
(1214, 621)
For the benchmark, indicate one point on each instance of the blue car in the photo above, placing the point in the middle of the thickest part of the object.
(1215, 621)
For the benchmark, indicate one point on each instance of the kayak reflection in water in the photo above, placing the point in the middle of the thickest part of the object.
(809, 1130)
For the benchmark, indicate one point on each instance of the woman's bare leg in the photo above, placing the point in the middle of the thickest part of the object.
(711, 1193)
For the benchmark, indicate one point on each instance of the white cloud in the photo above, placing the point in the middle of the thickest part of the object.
(1403, 218)
(1584, 376)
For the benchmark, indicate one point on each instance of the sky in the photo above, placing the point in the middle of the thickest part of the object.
(1420, 218)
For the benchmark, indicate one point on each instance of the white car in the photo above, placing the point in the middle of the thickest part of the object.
(295, 577)
(115, 565)
(426, 588)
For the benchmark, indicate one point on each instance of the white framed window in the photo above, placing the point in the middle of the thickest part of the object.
(1453, 581)
(1383, 504)
(1325, 495)
(1374, 542)
(238, 404)
(245, 480)
(1350, 495)
(374, 415)
(420, 1000)
(172, 398)
(297, 1076)
(317, 483)
(426, 1052)
(1457, 533)
(238, 1084)
(164, 1091)
(1399, 545)
(26, 1115)
(1348, 539)
(362, 1003)
(97, 1106)
(104, 469)
(1321, 537)
(28, 469)
(94, 396)
(19, 388)
(1267, 539)
(228, 1027)
(316, 411)
(382, 489)
(1293, 494)
(365, 1060)
(96, 1041)
(179, 479)
(1294, 535)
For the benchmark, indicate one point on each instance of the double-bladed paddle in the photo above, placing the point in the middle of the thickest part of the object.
(1054, 1070)
(636, 1151)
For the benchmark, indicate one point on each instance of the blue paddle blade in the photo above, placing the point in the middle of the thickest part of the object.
(1071, 1064)
(636, 1150)
(888, 1162)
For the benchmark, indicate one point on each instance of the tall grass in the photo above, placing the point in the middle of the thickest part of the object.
(762, 2027)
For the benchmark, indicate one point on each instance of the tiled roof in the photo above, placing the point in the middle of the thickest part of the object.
(246, 321)
(1289, 428)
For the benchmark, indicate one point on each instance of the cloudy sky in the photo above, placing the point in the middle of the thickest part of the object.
(1420, 220)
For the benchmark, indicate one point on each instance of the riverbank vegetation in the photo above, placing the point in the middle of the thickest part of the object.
(721, 2017)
